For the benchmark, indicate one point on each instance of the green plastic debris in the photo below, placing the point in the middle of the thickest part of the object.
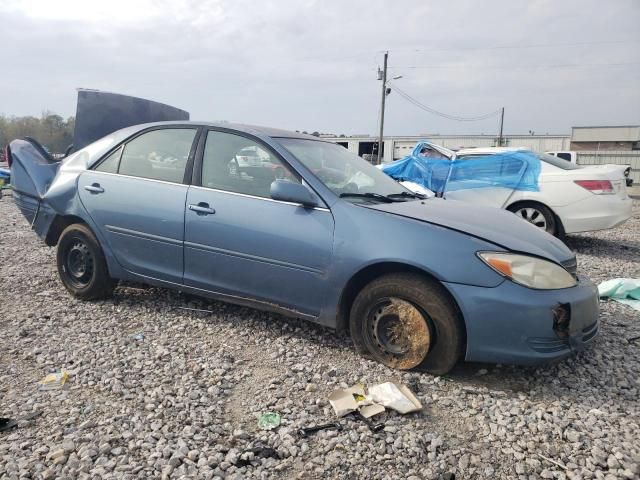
(268, 421)
(623, 290)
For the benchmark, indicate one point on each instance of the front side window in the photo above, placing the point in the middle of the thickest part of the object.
(234, 163)
(158, 154)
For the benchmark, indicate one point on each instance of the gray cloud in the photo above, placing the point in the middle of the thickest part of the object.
(312, 65)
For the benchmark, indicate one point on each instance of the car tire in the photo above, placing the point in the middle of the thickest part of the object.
(405, 320)
(538, 215)
(81, 264)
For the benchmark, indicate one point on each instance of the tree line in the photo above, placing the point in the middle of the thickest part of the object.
(51, 130)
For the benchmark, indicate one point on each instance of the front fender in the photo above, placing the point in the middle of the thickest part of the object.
(366, 237)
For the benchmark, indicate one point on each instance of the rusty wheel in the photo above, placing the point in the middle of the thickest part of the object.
(407, 321)
(400, 331)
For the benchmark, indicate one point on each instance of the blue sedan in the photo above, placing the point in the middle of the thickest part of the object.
(309, 230)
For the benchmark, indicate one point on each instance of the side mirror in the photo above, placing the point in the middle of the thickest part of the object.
(293, 192)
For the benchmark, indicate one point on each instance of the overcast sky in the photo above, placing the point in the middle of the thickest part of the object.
(311, 65)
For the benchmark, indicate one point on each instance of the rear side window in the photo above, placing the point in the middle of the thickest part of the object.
(558, 162)
(564, 156)
(158, 155)
(110, 164)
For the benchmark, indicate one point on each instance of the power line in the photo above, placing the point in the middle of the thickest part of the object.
(517, 67)
(458, 118)
(516, 47)
(343, 55)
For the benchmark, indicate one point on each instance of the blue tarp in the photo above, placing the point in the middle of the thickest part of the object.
(5, 177)
(515, 170)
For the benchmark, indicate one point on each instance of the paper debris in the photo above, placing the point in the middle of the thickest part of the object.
(394, 396)
(343, 402)
(369, 411)
(53, 381)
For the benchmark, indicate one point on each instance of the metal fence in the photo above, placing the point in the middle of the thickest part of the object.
(628, 157)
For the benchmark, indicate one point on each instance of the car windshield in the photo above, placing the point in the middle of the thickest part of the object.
(344, 173)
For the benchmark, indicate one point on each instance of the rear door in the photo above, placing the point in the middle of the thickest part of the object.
(240, 242)
(136, 195)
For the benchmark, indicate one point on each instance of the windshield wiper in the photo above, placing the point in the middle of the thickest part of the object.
(374, 196)
(407, 195)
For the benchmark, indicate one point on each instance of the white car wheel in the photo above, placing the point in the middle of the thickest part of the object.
(536, 214)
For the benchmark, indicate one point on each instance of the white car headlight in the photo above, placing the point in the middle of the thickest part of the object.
(529, 271)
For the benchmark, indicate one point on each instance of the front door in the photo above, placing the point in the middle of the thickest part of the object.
(238, 241)
(136, 196)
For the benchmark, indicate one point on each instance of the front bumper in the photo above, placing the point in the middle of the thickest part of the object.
(515, 325)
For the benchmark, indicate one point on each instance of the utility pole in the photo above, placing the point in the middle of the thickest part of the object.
(501, 122)
(384, 96)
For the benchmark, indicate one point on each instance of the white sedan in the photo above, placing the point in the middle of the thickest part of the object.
(571, 198)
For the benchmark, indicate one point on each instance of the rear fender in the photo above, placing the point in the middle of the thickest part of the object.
(32, 172)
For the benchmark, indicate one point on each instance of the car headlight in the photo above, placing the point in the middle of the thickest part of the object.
(529, 271)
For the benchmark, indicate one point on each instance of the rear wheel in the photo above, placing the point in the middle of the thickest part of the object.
(406, 321)
(536, 214)
(81, 264)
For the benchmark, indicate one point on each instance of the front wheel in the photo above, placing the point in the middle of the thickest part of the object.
(406, 321)
(81, 264)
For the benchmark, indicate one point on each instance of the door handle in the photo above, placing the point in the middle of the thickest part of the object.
(94, 188)
(202, 209)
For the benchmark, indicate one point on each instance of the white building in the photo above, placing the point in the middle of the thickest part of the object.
(397, 147)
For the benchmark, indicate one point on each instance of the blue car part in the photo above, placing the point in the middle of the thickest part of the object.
(516, 170)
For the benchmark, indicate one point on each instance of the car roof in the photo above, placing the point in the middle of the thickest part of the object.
(252, 129)
(487, 150)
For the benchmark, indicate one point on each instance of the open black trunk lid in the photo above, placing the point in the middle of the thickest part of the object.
(101, 113)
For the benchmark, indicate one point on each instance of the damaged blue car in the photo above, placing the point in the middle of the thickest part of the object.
(309, 230)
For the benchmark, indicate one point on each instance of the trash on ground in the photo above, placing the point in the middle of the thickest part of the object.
(259, 451)
(7, 424)
(305, 431)
(347, 400)
(374, 427)
(389, 394)
(557, 464)
(53, 381)
(137, 336)
(268, 421)
(369, 411)
(396, 397)
(623, 290)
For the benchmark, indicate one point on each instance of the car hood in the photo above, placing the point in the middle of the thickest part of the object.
(494, 225)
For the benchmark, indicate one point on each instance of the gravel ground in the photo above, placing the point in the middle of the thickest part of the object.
(183, 401)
